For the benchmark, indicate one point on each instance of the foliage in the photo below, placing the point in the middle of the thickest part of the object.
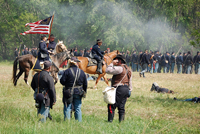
(131, 24)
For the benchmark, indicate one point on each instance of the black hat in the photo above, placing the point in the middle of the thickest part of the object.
(99, 40)
(47, 64)
(52, 36)
(122, 57)
(43, 36)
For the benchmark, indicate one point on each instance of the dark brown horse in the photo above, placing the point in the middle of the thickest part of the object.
(26, 63)
(83, 64)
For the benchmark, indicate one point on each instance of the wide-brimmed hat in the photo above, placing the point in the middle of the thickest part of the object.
(99, 40)
(122, 57)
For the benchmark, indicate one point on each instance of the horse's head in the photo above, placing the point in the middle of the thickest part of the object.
(60, 47)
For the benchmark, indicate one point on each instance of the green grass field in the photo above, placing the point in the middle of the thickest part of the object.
(146, 112)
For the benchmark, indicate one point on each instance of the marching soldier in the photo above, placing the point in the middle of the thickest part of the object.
(98, 55)
(134, 61)
(172, 58)
(188, 62)
(179, 62)
(165, 61)
(195, 63)
(156, 61)
(139, 68)
(144, 62)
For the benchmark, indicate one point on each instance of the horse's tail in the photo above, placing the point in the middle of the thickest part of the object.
(15, 69)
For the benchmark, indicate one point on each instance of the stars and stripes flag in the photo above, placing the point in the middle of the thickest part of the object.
(39, 27)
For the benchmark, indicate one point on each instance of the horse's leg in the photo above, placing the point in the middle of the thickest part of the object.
(99, 77)
(26, 73)
(17, 77)
(56, 78)
(105, 79)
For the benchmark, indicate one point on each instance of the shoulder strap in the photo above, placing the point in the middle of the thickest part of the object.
(74, 79)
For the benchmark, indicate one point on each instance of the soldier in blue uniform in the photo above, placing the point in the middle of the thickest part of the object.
(52, 44)
(134, 61)
(144, 58)
(165, 61)
(43, 53)
(196, 64)
(179, 62)
(172, 58)
(98, 55)
(74, 88)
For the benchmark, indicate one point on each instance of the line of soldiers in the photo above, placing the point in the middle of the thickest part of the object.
(155, 62)
(25, 51)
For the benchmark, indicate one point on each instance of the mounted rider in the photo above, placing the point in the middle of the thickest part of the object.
(98, 55)
(52, 43)
(43, 53)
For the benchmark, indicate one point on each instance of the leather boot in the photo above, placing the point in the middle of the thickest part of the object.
(121, 117)
(49, 116)
(110, 116)
(99, 67)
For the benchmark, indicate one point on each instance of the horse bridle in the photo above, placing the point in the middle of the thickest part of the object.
(110, 58)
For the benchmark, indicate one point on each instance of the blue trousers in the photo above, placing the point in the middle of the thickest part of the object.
(43, 112)
(151, 69)
(77, 108)
(172, 67)
(134, 66)
(139, 68)
(188, 69)
(144, 69)
(179, 68)
(164, 69)
(156, 67)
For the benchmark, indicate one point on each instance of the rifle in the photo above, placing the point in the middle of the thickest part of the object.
(178, 51)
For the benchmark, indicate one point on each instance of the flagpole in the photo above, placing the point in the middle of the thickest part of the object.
(51, 27)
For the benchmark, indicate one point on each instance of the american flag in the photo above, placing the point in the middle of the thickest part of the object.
(39, 27)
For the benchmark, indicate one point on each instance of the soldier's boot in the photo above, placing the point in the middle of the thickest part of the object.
(99, 67)
(121, 117)
(110, 116)
(49, 116)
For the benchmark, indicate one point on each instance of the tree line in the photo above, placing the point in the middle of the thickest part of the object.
(163, 25)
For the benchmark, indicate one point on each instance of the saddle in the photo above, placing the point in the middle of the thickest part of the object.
(92, 62)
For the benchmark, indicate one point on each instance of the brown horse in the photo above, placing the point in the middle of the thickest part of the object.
(108, 58)
(26, 63)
